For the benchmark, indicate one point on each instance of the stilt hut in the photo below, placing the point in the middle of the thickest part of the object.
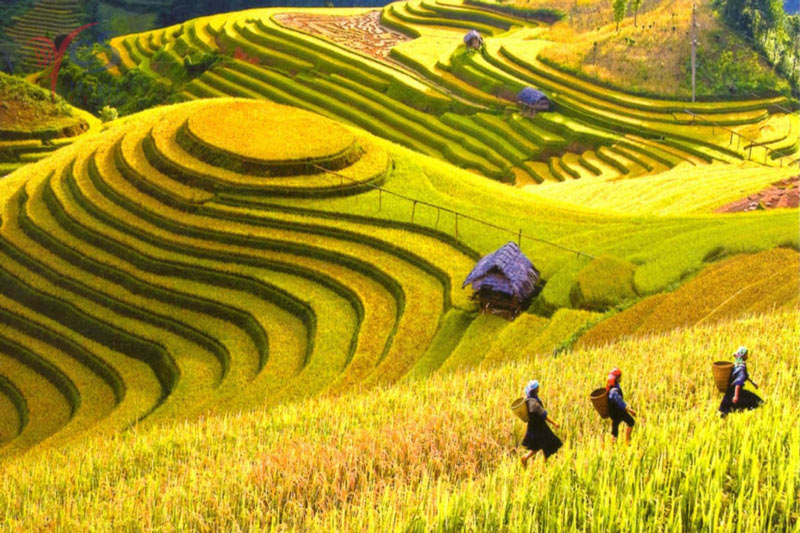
(473, 40)
(503, 281)
(532, 101)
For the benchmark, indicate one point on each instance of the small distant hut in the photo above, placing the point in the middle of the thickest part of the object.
(473, 40)
(532, 100)
(503, 281)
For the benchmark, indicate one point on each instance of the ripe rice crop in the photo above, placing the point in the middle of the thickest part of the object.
(621, 324)
(716, 286)
(682, 190)
(728, 289)
(443, 451)
(509, 344)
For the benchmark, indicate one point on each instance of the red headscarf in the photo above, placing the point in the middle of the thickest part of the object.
(612, 378)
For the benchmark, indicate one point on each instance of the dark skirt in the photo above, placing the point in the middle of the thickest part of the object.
(747, 401)
(618, 416)
(539, 436)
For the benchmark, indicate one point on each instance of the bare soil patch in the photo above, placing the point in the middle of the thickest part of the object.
(784, 193)
(362, 33)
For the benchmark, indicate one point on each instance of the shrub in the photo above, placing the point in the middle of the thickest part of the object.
(108, 113)
(196, 63)
(605, 282)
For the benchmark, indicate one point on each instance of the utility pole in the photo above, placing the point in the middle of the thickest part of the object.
(694, 48)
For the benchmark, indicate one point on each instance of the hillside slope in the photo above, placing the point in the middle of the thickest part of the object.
(442, 453)
(176, 265)
(650, 51)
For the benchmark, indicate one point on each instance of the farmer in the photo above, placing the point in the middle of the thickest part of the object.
(736, 398)
(618, 410)
(539, 436)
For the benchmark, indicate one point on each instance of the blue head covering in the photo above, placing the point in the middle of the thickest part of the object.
(531, 387)
(741, 352)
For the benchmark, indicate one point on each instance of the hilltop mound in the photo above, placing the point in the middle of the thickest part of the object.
(147, 276)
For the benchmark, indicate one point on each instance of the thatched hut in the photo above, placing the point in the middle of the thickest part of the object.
(473, 39)
(503, 281)
(531, 101)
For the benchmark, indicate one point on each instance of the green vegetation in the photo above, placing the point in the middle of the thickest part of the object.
(459, 110)
(92, 88)
(772, 32)
(731, 288)
(603, 283)
(33, 107)
(33, 123)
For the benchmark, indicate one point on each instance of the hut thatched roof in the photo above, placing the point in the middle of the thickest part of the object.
(506, 270)
(472, 34)
(530, 96)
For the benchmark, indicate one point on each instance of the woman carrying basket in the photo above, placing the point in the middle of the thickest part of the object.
(736, 397)
(618, 410)
(539, 436)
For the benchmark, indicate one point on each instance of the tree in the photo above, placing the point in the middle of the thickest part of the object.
(620, 7)
(773, 17)
(793, 24)
(636, 4)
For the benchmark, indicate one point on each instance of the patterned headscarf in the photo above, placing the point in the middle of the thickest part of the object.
(612, 378)
(741, 352)
(531, 387)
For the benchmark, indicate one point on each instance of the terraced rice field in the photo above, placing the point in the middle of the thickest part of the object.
(47, 19)
(682, 190)
(260, 297)
(124, 276)
(177, 264)
(438, 99)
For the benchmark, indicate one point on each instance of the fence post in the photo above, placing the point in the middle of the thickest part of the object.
(750, 155)
(438, 212)
(413, 210)
(456, 226)
(731, 141)
(519, 238)
(380, 199)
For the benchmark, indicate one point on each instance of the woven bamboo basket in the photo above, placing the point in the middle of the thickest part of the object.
(722, 374)
(520, 408)
(599, 399)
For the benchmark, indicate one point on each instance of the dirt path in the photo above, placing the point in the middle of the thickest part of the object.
(784, 193)
(363, 33)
